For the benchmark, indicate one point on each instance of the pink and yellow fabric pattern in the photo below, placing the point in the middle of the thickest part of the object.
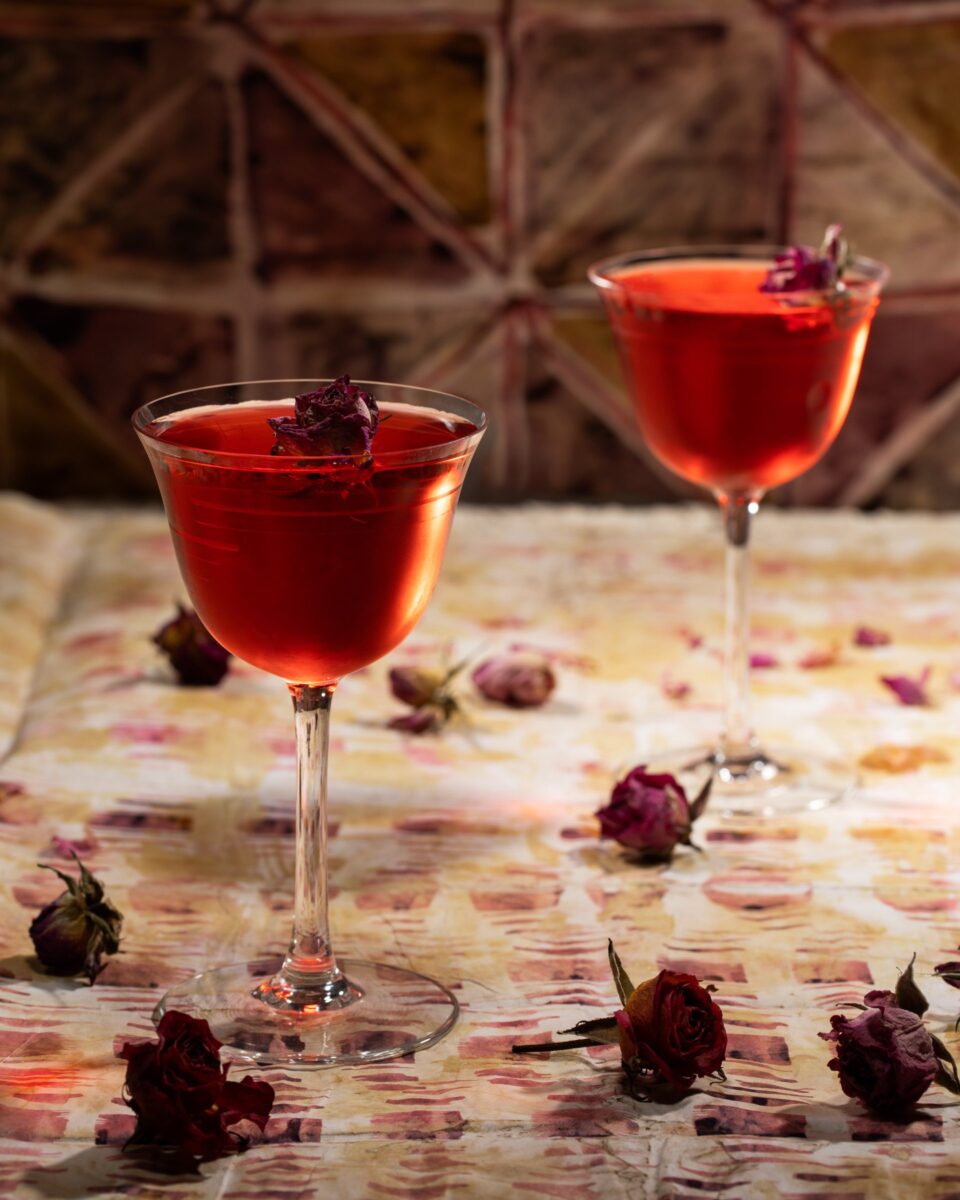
(473, 856)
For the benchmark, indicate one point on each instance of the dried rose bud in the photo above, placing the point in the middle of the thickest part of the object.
(803, 269)
(517, 680)
(908, 690)
(197, 657)
(671, 1033)
(338, 421)
(649, 814)
(179, 1090)
(763, 662)
(885, 1057)
(865, 636)
(73, 932)
(416, 685)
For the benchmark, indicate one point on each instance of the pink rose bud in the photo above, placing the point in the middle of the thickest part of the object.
(865, 636)
(908, 690)
(419, 720)
(649, 814)
(415, 685)
(517, 680)
(885, 1057)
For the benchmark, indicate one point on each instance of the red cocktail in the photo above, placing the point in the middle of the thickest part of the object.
(742, 365)
(735, 388)
(310, 554)
(309, 570)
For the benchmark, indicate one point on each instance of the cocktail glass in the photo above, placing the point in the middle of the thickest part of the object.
(310, 568)
(739, 390)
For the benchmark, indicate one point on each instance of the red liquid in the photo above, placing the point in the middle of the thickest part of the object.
(307, 572)
(734, 388)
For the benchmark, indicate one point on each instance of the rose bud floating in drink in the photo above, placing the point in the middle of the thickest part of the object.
(310, 521)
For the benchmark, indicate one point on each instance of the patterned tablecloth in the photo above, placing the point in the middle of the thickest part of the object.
(473, 856)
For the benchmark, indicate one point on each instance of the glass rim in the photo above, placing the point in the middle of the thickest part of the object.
(874, 273)
(145, 415)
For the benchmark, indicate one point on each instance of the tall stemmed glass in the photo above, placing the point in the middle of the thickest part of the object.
(740, 389)
(310, 568)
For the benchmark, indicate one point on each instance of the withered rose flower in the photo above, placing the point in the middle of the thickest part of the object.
(338, 421)
(649, 814)
(885, 1058)
(180, 1092)
(428, 693)
(73, 933)
(671, 1033)
(197, 657)
(517, 680)
(803, 269)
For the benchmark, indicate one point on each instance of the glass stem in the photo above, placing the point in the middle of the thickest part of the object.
(737, 741)
(310, 979)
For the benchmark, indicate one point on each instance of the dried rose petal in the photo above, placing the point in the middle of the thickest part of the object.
(337, 422)
(816, 660)
(517, 680)
(803, 269)
(866, 636)
(675, 689)
(763, 662)
(197, 657)
(949, 972)
(907, 690)
(647, 813)
(73, 932)
(421, 720)
(885, 1057)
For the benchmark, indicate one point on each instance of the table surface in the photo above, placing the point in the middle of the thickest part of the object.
(473, 856)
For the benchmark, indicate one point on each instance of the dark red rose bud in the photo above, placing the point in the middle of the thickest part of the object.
(671, 1033)
(649, 814)
(517, 680)
(197, 657)
(864, 635)
(885, 1058)
(73, 933)
(416, 685)
(180, 1092)
(803, 269)
(338, 422)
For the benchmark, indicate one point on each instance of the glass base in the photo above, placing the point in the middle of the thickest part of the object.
(767, 782)
(392, 1012)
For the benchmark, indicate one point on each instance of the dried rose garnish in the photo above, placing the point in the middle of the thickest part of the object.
(675, 689)
(516, 680)
(669, 1030)
(886, 1058)
(428, 693)
(865, 636)
(73, 932)
(194, 653)
(803, 269)
(763, 662)
(910, 691)
(337, 422)
(179, 1090)
(651, 815)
